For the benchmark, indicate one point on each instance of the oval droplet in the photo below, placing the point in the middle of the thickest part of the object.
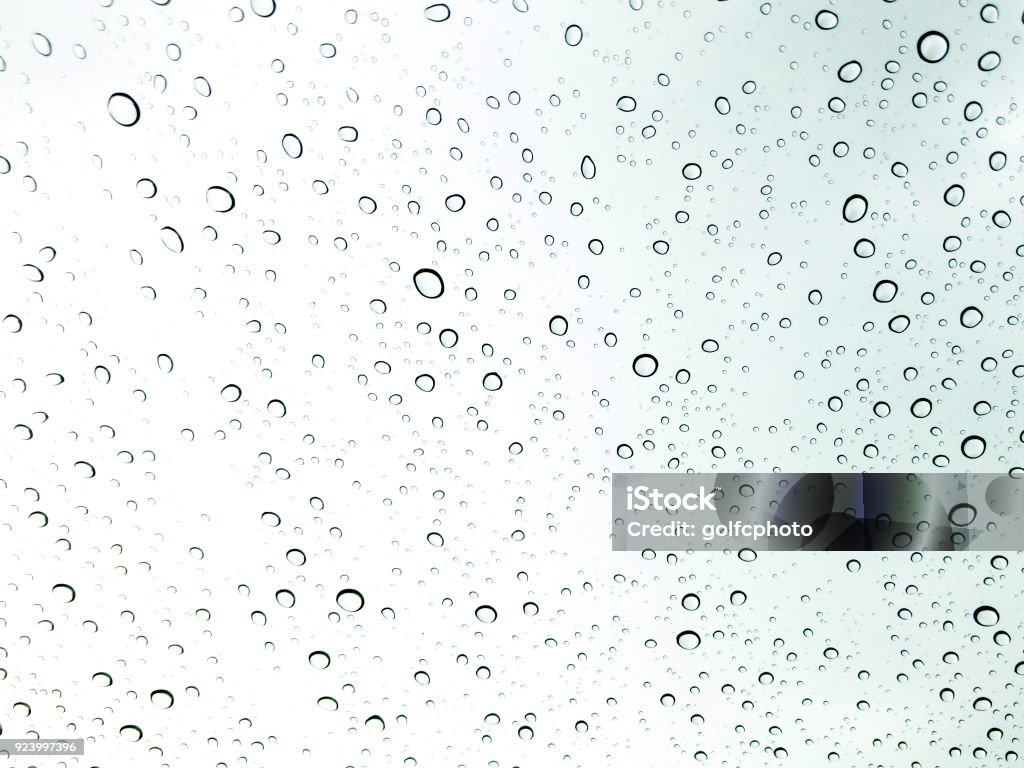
(350, 600)
(437, 12)
(123, 109)
(855, 208)
(428, 282)
(292, 145)
(172, 240)
(688, 640)
(850, 71)
(486, 614)
(220, 199)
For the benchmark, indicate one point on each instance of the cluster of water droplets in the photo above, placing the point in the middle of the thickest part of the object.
(324, 329)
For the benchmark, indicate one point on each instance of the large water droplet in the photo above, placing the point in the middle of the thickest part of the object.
(292, 145)
(232, 393)
(973, 446)
(855, 208)
(850, 71)
(971, 317)
(220, 199)
(486, 614)
(263, 8)
(350, 600)
(428, 282)
(162, 698)
(171, 239)
(645, 365)
(932, 46)
(885, 291)
(688, 640)
(319, 660)
(123, 109)
(986, 616)
(437, 12)
(131, 732)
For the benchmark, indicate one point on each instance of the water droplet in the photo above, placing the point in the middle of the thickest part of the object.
(864, 248)
(437, 12)
(645, 365)
(220, 199)
(986, 616)
(263, 8)
(162, 699)
(486, 614)
(573, 35)
(971, 317)
(973, 446)
(232, 393)
(64, 592)
(850, 71)
(428, 282)
(587, 167)
(319, 660)
(172, 240)
(855, 208)
(921, 408)
(455, 203)
(826, 20)
(350, 600)
(292, 145)
(989, 61)
(492, 382)
(558, 325)
(932, 47)
(123, 109)
(626, 104)
(688, 640)
(885, 291)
